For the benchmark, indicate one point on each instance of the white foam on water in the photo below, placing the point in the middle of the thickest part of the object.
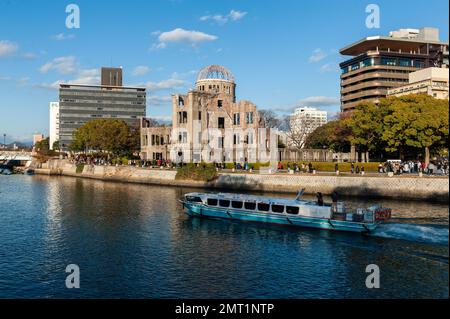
(413, 232)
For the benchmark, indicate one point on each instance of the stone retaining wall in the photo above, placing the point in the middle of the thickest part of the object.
(424, 188)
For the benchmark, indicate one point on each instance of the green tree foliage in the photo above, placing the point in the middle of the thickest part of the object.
(43, 146)
(419, 121)
(56, 146)
(110, 135)
(416, 123)
(366, 125)
(335, 135)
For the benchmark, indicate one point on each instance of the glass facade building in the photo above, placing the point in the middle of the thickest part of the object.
(79, 104)
(377, 64)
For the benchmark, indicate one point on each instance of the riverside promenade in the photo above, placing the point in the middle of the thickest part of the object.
(381, 186)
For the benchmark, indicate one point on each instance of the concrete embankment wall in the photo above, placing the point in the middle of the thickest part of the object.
(414, 188)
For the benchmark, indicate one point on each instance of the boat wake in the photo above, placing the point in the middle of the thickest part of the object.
(412, 232)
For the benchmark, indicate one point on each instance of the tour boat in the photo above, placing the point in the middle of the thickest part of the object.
(282, 211)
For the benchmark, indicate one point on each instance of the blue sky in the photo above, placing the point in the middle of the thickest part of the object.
(282, 53)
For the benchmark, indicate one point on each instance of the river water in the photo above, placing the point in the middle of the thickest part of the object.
(134, 241)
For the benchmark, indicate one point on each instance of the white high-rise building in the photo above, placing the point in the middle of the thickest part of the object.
(54, 123)
(303, 122)
(309, 117)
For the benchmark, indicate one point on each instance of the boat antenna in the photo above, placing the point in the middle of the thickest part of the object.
(300, 194)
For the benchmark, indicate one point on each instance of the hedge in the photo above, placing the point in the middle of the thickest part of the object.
(203, 173)
(80, 168)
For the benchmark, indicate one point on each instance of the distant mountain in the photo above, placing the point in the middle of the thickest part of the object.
(20, 145)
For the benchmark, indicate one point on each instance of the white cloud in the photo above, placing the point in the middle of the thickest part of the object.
(87, 76)
(84, 76)
(168, 84)
(7, 48)
(140, 70)
(162, 119)
(29, 56)
(4, 78)
(220, 19)
(180, 35)
(62, 37)
(329, 67)
(319, 101)
(234, 15)
(63, 65)
(318, 55)
(50, 86)
(23, 81)
(156, 100)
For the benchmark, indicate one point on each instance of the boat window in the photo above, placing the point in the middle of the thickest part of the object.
(250, 206)
(277, 208)
(195, 199)
(224, 203)
(263, 207)
(292, 210)
(212, 201)
(236, 204)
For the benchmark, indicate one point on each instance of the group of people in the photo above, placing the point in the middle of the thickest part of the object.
(415, 167)
(304, 168)
(334, 199)
(354, 169)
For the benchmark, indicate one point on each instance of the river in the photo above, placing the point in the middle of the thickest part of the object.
(134, 241)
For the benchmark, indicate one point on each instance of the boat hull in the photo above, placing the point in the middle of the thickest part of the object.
(201, 210)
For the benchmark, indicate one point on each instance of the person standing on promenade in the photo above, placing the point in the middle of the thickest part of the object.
(380, 168)
(362, 170)
(357, 169)
(336, 168)
(352, 168)
(309, 167)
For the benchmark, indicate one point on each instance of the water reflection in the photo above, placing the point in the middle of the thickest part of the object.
(134, 240)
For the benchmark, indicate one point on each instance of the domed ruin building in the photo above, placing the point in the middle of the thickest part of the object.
(209, 125)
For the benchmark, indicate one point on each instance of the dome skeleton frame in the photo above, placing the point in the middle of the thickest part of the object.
(215, 72)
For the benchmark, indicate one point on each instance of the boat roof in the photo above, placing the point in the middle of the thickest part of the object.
(250, 198)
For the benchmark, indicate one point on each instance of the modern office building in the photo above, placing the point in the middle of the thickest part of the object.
(380, 63)
(54, 124)
(80, 103)
(208, 125)
(431, 81)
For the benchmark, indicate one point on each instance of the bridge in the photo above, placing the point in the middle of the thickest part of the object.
(15, 156)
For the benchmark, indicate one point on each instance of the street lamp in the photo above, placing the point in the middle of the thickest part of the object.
(4, 140)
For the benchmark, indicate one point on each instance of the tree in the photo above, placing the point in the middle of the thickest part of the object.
(269, 118)
(417, 120)
(297, 130)
(43, 146)
(110, 135)
(56, 146)
(334, 135)
(366, 125)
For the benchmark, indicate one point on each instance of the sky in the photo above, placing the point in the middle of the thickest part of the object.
(283, 53)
